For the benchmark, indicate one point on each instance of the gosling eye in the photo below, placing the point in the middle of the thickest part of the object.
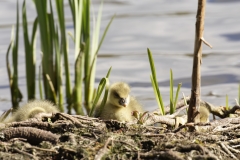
(116, 94)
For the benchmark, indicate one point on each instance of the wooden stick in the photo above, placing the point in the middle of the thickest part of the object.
(193, 111)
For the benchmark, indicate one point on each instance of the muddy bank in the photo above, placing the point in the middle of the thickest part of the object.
(64, 136)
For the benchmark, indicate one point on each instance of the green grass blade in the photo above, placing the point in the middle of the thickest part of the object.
(104, 83)
(154, 79)
(45, 21)
(108, 73)
(25, 27)
(40, 82)
(96, 31)
(16, 95)
(238, 94)
(8, 64)
(171, 93)
(156, 94)
(78, 83)
(29, 54)
(107, 86)
(106, 90)
(64, 49)
(184, 97)
(58, 70)
(77, 12)
(87, 57)
(176, 96)
(104, 100)
(34, 33)
(86, 40)
(227, 107)
(5, 115)
(91, 78)
(78, 26)
(51, 87)
(72, 8)
(104, 34)
(100, 89)
(52, 38)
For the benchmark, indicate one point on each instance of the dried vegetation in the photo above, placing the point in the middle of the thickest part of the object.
(64, 136)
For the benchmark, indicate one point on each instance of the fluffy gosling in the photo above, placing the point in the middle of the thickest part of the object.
(120, 104)
(32, 109)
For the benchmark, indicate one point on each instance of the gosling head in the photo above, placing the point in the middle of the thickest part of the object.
(119, 94)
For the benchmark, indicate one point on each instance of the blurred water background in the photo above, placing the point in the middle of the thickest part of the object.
(167, 27)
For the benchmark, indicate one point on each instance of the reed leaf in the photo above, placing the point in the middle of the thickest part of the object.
(104, 83)
(155, 83)
(45, 21)
(30, 59)
(104, 35)
(238, 94)
(91, 78)
(171, 93)
(13, 78)
(88, 91)
(156, 94)
(5, 114)
(54, 45)
(107, 86)
(51, 87)
(100, 89)
(176, 96)
(227, 106)
(64, 49)
(77, 13)
(77, 93)
(40, 82)
(58, 63)
(72, 5)
(173, 101)
(8, 64)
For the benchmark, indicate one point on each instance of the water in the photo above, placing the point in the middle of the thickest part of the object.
(168, 29)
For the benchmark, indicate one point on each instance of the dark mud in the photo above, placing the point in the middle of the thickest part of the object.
(64, 136)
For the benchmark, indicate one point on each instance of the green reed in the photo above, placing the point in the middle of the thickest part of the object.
(154, 81)
(30, 57)
(104, 84)
(227, 106)
(238, 95)
(153, 77)
(13, 77)
(173, 101)
(54, 48)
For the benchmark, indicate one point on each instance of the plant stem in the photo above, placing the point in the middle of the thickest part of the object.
(194, 105)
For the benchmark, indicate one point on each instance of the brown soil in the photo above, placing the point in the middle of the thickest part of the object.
(69, 137)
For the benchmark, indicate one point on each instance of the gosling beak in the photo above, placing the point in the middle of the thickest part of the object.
(124, 101)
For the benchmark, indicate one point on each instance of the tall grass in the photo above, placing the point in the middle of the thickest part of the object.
(81, 13)
(153, 77)
(13, 71)
(54, 48)
(104, 84)
(30, 57)
(227, 106)
(173, 101)
(238, 94)
(154, 81)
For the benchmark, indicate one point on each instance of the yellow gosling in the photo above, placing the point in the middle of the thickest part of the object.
(120, 104)
(31, 109)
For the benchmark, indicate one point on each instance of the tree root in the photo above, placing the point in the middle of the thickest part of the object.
(32, 135)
